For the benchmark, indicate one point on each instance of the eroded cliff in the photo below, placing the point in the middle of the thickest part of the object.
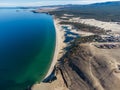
(86, 67)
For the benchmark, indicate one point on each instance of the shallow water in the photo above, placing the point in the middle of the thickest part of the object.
(27, 42)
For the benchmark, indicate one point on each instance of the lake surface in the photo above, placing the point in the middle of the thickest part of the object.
(27, 44)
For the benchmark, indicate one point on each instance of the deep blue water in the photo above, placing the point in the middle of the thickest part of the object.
(27, 42)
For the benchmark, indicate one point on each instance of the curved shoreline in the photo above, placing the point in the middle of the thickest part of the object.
(56, 51)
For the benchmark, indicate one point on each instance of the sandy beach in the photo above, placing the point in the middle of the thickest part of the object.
(59, 51)
(60, 45)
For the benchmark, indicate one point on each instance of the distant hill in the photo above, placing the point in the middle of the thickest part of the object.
(107, 3)
(108, 11)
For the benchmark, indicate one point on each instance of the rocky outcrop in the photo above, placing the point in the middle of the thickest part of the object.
(86, 67)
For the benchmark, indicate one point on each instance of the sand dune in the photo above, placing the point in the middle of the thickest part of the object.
(114, 26)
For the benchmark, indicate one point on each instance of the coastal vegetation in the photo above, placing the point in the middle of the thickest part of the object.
(101, 11)
(84, 27)
(88, 65)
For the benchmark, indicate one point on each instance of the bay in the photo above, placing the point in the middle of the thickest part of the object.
(27, 44)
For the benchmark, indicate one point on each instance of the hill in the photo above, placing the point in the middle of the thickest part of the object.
(109, 11)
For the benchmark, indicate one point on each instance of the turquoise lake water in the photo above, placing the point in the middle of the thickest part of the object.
(27, 44)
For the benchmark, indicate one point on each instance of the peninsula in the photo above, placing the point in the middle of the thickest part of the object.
(87, 48)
